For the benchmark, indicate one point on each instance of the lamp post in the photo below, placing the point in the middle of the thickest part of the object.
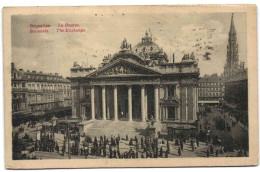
(68, 139)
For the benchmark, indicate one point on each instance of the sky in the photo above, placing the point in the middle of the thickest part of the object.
(177, 33)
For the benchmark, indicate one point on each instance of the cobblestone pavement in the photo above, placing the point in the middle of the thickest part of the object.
(123, 128)
(124, 146)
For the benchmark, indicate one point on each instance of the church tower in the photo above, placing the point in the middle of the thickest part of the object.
(232, 62)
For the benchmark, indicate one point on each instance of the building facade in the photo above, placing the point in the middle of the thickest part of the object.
(36, 91)
(236, 81)
(236, 96)
(211, 89)
(138, 84)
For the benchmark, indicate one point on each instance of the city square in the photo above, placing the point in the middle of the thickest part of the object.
(138, 102)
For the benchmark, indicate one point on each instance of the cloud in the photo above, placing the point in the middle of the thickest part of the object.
(175, 33)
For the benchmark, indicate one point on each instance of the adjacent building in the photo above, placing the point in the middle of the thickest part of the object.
(138, 83)
(211, 90)
(36, 91)
(236, 81)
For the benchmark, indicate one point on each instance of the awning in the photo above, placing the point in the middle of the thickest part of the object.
(208, 101)
(181, 126)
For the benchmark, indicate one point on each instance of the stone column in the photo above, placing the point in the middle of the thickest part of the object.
(194, 103)
(81, 92)
(178, 112)
(93, 102)
(166, 112)
(156, 101)
(115, 104)
(83, 112)
(104, 102)
(186, 103)
(145, 104)
(130, 102)
(166, 92)
(74, 110)
(142, 103)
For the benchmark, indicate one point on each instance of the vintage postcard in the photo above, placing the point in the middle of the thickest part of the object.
(130, 86)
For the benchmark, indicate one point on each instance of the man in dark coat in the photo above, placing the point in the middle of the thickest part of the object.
(217, 153)
(168, 146)
(179, 151)
(166, 153)
(207, 152)
(63, 149)
(161, 151)
(198, 142)
(131, 142)
(142, 156)
(104, 153)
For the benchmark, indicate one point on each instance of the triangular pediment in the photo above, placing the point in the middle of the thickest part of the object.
(123, 67)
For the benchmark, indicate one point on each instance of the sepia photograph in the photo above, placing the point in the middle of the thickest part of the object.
(125, 83)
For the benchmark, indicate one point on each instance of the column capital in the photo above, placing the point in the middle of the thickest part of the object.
(114, 86)
(103, 86)
(156, 85)
(129, 86)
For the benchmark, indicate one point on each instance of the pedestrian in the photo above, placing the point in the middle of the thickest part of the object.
(198, 142)
(181, 144)
(118, 153)
(142, 156)
(63, 149)
(217, 153)
(131, 142)
(166, 153)
(104, 153)
(179, 151)
(114, 154)
(207, 152)
(161, 151)
(126, 137)
(211, 149)
(168, 146)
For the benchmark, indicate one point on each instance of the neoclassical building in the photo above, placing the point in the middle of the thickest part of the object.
(136, 84)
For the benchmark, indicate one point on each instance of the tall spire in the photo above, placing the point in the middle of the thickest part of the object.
(232, 26)
(232, 63)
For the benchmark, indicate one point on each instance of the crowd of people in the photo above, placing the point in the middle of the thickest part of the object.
(114, 147)
(144, 147)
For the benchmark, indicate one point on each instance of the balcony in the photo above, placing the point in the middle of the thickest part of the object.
(35, 91)
(19, 89)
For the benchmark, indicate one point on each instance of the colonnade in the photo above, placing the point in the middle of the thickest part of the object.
(130, 111)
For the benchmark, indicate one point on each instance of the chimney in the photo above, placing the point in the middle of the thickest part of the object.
(56, 74)
(40, 72)
(130, 47)
(21, 70)
(28, 71)
(173, 58)
(33, 71)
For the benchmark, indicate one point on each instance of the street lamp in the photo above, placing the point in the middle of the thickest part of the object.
(68, 139)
